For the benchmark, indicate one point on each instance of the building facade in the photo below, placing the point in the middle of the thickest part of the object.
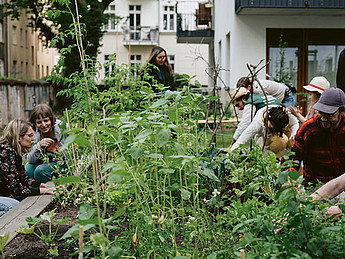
(148, 23)
(306, 36)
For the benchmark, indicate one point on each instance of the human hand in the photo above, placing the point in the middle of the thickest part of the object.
(333, 210)
(295, 110)
(46, 142)
(47, 190)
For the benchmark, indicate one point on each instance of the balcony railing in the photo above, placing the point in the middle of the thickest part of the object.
(194, 21)
(142, 35)
(327, 5)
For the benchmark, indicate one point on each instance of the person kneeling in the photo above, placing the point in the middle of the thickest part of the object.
(281, 128)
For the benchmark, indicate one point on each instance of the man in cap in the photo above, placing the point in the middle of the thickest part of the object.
(320, 141)
(284, 93)
(249, 104)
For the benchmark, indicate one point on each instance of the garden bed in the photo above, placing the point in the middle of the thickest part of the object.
(30, 246)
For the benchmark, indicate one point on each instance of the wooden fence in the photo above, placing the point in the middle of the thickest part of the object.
(17, 98)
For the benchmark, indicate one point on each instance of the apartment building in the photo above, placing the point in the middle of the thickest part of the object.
(313, 33)
(23, 54)
(148, 23)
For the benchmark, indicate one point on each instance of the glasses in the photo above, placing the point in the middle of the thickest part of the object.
(327, 116)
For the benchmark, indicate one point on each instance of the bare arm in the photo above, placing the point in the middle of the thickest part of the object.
(330, 189)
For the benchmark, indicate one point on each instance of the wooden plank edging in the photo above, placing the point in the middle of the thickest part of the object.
(29, 207)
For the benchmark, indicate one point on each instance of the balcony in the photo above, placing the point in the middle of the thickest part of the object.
(290, 7)
(141, 35)
(194, 22)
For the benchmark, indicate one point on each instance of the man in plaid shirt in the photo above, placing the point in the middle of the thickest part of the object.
(320, 141)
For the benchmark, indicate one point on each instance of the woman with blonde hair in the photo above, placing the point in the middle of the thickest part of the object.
(14, 184)
(159, 69)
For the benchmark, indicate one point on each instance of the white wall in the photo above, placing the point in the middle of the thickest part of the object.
(248, 34)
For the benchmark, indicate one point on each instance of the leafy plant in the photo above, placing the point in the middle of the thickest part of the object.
(3, 240)
(47, 239)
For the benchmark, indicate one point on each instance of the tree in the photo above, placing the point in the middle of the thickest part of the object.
(52, 18)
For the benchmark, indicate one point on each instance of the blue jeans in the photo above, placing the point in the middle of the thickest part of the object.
(289, 100)
(41, 173)
(6, 204)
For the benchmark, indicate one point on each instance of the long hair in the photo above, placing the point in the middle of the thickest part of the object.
(42, 110)
(15, 129)
(155, 51)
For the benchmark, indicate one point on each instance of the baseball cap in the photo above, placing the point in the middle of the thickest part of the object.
(317, 84)
(237, 93)
(330, 100)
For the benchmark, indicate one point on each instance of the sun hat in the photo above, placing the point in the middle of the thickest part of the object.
(330, 100)
(317, 84)
(237, 93)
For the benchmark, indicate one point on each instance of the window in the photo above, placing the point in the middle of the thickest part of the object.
(2, 67)
(135, 63)
(21, 72)
(38, 71)
(1, 32)
(14, 69)
(32, 55)
(109, 62)
(27, 70)
(134, 21)
(110, 11)
(169, 18)
(21, 37)
(14, 35)
(26, 39)
(172, 61)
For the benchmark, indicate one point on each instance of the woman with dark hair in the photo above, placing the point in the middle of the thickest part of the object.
(281, 128)
(14, 184)
(47, 140)
(159, 68)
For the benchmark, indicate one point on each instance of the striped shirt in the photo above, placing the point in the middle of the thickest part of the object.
(322, 151)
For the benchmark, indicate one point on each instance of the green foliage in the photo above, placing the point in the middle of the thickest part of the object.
(3, 240)
(48, 239)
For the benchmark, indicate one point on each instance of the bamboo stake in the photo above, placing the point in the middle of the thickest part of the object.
(74, 159)
(242, 254)
(81, 237)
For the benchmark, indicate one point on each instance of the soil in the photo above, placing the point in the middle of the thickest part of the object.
(30, 246)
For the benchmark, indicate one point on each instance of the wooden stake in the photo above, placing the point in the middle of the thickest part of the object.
(242, 254)
(81, 237)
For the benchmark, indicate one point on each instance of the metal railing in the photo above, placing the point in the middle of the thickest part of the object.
(140, 34)
(194, 15)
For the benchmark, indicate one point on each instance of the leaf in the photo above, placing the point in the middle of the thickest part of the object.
(208, 173)
(66, 180)
(158, 103)
(86, 212)
(114, 252)
(294, 174)
(155, 156)
(163, 137)
(185, 194)
(99, 239)
(74, 231)
(68, 141)
(136, 152)
(119, 212)
(25, 229)
(33, 221)
(179, 148)
(107, 166)
(54, 250)
(61, 221)
(144, 134)
(3, 240)
(48, 216)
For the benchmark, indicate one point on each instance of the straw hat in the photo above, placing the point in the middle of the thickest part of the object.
(317, 84)
(238, 92)
(277, 144)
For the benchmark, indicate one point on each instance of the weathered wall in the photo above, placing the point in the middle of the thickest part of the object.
(19, 97)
